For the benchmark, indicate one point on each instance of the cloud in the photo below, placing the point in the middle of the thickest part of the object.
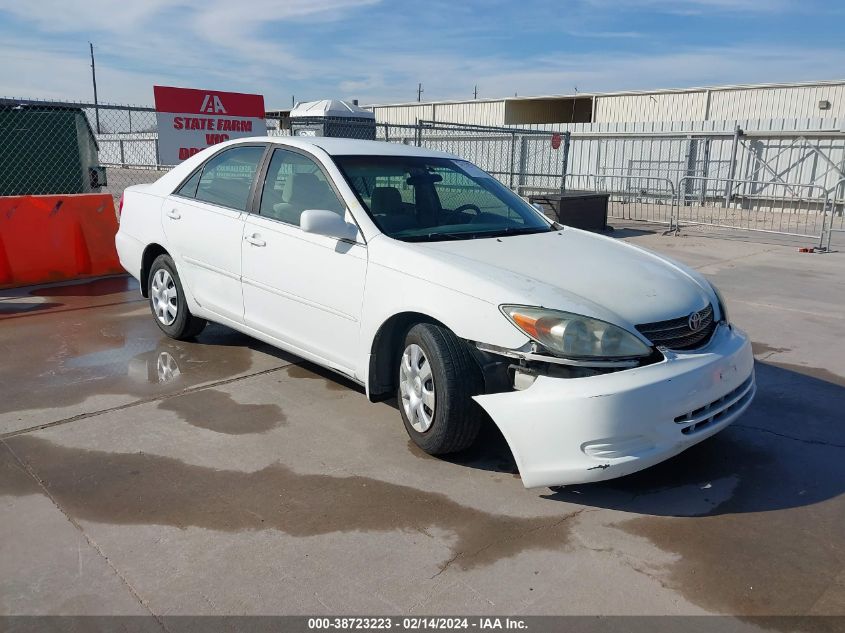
(447, 76)
(378, 52)
(137, 44)
(55, 16)
(216, 16)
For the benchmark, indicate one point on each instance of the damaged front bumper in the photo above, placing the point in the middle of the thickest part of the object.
(578, 430)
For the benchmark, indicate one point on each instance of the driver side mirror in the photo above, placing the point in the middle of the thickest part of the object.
(328, 223)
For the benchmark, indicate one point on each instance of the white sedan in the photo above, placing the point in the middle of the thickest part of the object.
(416, 274)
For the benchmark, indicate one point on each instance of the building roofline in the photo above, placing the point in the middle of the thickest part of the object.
(620, 93)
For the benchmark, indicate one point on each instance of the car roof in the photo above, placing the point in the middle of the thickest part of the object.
(332, 146)
(353, 147)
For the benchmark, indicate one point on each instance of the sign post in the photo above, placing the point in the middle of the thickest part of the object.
(190, 120)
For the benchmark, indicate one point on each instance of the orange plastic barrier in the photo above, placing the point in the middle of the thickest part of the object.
(53, 238)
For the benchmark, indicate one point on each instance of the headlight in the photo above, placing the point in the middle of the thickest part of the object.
(723, 309)
(573, 335)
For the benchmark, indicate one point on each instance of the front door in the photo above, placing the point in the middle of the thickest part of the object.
(302, 288)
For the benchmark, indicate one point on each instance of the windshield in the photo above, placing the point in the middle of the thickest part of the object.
(414, 198)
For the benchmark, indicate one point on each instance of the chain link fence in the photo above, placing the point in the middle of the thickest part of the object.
(785, 182)
(64, 147)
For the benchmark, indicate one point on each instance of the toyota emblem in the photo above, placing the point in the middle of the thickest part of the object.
(694, 321)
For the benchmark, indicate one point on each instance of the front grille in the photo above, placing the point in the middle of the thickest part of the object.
(677, 334)
(718, 410)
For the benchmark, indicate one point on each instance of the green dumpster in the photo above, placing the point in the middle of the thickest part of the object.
(47, 149)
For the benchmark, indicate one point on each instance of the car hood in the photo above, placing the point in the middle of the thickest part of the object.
(569, 270)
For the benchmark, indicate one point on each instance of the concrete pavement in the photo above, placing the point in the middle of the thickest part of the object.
(143, 475)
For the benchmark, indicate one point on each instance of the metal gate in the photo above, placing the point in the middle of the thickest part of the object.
(520, 158)
(836, 212)
(631, 197)
(753, 205)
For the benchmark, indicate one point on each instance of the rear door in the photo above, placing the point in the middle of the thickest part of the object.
(203, 221)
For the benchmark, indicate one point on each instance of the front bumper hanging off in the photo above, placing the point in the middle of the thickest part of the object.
(578, 430)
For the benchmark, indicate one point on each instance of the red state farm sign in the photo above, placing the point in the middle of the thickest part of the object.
(190, 120)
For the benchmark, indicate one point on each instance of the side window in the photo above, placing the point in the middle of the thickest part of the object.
(189, 188)
(227, 178)
(295, 183)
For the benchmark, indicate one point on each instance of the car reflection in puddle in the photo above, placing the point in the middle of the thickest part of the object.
(167, 369)
(155, 368)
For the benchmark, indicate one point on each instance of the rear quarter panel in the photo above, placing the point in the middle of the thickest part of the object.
(140, 226)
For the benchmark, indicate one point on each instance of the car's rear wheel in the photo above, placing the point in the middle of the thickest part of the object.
(167, 301)
(437, 379)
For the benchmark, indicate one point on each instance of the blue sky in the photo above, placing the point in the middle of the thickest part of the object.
(377, 51)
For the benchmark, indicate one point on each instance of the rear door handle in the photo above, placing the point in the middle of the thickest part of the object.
(255, 240)
(173, 214)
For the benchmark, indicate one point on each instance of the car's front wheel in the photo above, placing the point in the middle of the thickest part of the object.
(437, 379)
(167, 301)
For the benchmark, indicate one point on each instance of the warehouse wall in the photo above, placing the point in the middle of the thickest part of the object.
(714, 104)
(470, 112)
(402, 114)
(678, 106)
(766, 103)
(724, 104)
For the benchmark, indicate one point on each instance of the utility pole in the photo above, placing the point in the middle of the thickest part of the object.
(419, 92)
(94, 80)
(475, 93)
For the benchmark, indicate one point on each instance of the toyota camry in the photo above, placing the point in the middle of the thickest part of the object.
(419, 276)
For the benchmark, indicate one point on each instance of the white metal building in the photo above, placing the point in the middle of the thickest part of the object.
(811, 100)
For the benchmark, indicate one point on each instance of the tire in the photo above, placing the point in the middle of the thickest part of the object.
(167, 301)
(447, 377)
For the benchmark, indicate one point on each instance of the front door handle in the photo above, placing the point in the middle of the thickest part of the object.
(255, 240)
(173, 214)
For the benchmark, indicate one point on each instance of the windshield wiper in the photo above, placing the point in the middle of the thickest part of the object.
(433, 237)
(471, 235)
(512, 230)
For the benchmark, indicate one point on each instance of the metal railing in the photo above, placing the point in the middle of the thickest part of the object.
(836, 213)
(752, 205)
(631, 197)
(637, 198)
(518, 157)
